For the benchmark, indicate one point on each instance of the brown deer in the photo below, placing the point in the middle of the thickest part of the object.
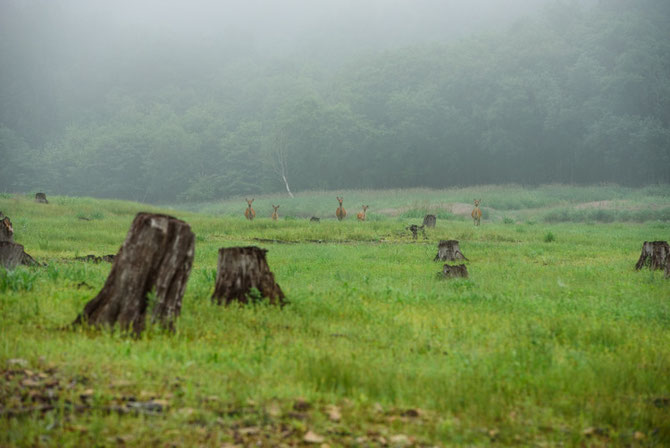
(361, 215)
(477, 213)
(249, 213)
(341, 213)
(275, 215)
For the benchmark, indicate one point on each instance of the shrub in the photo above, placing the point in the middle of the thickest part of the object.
(549, 237)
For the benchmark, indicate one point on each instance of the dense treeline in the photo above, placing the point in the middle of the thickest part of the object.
(576, 95)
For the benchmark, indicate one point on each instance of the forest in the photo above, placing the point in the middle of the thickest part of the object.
(572, 92)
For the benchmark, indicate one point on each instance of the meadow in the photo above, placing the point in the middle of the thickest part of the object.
(553, 340)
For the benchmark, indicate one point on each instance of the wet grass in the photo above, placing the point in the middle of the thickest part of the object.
(553, 339)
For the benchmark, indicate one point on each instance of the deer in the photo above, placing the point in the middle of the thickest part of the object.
(249, 213)
(361, 215)
(275, 215)
(477, 213)
(341, 213)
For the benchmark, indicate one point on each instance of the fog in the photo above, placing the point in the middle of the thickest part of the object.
(200, 100)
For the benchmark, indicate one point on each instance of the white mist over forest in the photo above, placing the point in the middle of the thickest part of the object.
(170, 101)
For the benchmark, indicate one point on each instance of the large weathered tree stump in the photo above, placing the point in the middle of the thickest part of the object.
(429, 221)
(41, 198)
(448, 250)
(12, 254)
(156, 255)
(655, 254)
(6, 229)
(455, 271)
(241, 269)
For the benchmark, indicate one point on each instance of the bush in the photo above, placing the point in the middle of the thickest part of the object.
(549, 237)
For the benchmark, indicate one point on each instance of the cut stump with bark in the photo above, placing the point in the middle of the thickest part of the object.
(239, 271)
(429, 220)
(448, 250)
(12, 254)
(455, 271)
(656, 255)
(41, 198)
(157, 255)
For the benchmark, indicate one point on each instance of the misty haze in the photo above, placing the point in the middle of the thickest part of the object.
(191, 101)
(334, 223)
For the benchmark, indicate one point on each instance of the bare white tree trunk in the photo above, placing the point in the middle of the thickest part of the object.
(281, 164)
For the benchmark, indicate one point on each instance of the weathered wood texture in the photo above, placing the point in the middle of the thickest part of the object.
(41, 198)
(239, 269)
(455, 271)
(429, 220)
(6, 229)
(11, 254)
(157, 254)
(449, 250)
(656, 255)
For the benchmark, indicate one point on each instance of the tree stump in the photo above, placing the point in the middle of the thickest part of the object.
(41, 198)
(448, 250)
(157, 254)
(314, 219)
(655, 254)
(6, 229)
(415, 231)
(239, 269)
(11, 254)
(429, 221)
(455, 271)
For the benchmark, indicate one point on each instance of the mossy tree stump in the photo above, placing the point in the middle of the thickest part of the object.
(656, 255)
(455, 271)
(11, 253)
(41, 198)
(240, 272)
(157, 255)
(449, 250)
(429, 221)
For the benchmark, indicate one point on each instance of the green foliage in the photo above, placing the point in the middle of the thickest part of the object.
(578, 95)
(522, 346)
(549, 237)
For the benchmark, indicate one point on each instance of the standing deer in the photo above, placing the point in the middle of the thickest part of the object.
(477, 213)
(341, 213)
(275, 215)
(361, 215)
(249, 213)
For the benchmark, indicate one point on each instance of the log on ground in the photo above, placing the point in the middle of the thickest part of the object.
(240, 272)
(157, 255)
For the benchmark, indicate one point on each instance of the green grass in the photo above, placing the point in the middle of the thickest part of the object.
(554, 339)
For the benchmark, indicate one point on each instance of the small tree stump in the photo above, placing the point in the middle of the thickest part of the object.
(239, 269)
(415, 231)
(448, 250)
(41, 198)
(429, 220)
(655, 254)
(455, 271)
(6, 229)
(314, 219)
(157, 254)
(11, 254)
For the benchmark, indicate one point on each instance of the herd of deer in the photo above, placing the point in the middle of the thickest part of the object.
(341, 213)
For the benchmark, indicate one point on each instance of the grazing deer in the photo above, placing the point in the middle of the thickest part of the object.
(477, 213)
(275, 216)
(341, 213)
(361, 215)
(249, 213)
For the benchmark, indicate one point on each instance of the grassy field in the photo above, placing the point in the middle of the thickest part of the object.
(553, 340)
